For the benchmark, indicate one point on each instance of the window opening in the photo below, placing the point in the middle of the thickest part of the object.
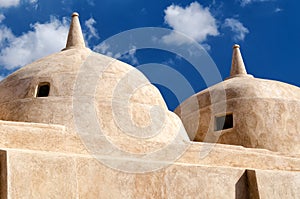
(223, 122)
(43, 90)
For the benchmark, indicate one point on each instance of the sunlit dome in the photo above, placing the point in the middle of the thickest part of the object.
(43, 92)
(255, 113)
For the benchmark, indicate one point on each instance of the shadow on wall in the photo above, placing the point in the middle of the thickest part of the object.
(3, 175)
(246, 186)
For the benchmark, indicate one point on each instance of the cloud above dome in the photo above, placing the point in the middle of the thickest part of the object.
(44, 39)
(195, 21)
(239, 30)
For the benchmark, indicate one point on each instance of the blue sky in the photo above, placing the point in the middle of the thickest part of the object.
(267, 31)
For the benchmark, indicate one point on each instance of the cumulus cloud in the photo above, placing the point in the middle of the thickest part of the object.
(194, 21)
(237, 28)
(44, 39)
(6, 36)
(11, 3)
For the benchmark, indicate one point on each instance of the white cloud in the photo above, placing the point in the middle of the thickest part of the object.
(246, 2)
(278, 10)
(128, 57)
(101, 48)
(9, 3)
(2, 17)
(206, 47)
(104, 49)
(12, 3)
(44, 39)
(6, 35)
(92, 30)
(194, 21)
(34, 3)
(237, 28)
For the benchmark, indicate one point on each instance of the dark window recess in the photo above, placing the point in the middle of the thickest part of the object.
(43, 90)
(223, 122)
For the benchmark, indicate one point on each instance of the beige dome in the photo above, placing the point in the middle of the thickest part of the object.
(258, 113)
(43, 92)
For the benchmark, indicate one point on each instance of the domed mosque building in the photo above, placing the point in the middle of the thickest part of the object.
(78, 124)
(254, 113)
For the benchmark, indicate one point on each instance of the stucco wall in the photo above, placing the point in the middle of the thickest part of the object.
(49, 161)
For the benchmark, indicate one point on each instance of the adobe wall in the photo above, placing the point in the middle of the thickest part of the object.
(46, 161)
(53, 175)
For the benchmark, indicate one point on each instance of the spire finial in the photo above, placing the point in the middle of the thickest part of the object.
(75, 37)
(237, 65)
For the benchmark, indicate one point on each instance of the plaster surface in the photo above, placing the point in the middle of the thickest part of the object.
(44, 153)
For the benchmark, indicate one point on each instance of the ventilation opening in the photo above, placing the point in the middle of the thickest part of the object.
(43, 90)
(224, 122)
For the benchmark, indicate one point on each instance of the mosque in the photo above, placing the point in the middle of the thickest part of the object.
(78, 124)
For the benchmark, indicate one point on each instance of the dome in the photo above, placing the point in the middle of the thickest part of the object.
(49, 91)
(246, 111)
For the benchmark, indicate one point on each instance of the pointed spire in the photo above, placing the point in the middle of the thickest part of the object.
(238, 68)
(75, 37)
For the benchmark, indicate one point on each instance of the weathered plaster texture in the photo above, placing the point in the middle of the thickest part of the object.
(265, 114)
(46, 161)
(45, 153)
(81, 176)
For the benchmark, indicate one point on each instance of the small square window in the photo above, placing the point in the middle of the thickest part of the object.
(223, 122)
(43, 90)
